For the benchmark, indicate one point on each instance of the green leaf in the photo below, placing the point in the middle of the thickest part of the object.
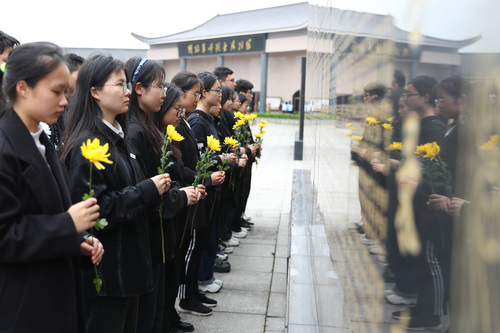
(160, 171)
(88, 195)
(169, 165)
(101, 224)
(98, 284)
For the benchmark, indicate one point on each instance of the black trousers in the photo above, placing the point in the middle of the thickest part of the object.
(112, 314)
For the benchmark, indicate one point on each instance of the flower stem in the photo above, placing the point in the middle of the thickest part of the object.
(161, 228)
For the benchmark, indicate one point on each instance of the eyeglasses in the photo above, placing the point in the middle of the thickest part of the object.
(196, 95)
(440, 100)
(404, 95)
(125, 85)
(164, 92)
(219, 91)
(181, 112)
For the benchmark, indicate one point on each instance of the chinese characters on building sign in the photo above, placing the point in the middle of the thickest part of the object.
(222, 46)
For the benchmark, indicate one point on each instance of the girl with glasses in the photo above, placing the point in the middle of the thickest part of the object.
(146, 99)
(99, 110)
(41, 233)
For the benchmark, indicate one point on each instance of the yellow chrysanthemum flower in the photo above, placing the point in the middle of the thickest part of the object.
(229, 140)
(262, 125)
(213, 143)
(349, 134)
(431, 150)
(239, 115)
(257, 135)
(396, 146)
(95, 153)
(492, 143)
(239, 123)
(420, 150)
(348, 125)
(173, 134)
(371, 120)
(263, 121)
(247, 117)
(357, 138)
(390, 120)
(352, 128)
(262, 131)
(387, 127)
(253, 115)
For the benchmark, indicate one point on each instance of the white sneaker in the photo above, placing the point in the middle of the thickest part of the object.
(219, 282)
(245, 217)
(389, 292)
(209, 288)
(241, 234)
(228, 249)
(366, 240)
(399, 300)
(222, 256)
(231, 242)
(375, 249)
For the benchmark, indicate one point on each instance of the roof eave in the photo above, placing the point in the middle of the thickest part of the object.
(155, 41)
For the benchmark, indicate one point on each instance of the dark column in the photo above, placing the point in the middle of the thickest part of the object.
(220, 60)
(263, 81)
(299, 137)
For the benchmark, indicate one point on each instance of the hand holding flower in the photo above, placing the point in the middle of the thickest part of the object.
(84, 214)
(93, 248)
(162, 182)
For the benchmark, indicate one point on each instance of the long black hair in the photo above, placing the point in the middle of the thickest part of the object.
(172, 95)
(146, 72)
(227, 93)
(29, 62)
(84, 116)
(186, 80)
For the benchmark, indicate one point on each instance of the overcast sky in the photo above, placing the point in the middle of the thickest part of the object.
(108, 24)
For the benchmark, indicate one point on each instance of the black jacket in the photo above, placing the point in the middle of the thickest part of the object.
(39, 245)
(173, 200)
(124, 197)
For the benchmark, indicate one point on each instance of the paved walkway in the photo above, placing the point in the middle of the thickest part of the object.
(254, 295)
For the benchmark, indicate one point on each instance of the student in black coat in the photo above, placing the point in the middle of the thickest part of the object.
(146, 100)
(420, 96)
(99, 111)
(191, 299)
(41, 234)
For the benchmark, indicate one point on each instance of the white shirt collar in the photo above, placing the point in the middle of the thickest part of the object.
(116, 127)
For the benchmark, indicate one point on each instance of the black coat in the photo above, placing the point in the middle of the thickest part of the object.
(124, 197)
(39, 244)
(173, 200)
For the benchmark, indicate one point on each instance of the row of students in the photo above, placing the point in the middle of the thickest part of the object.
(422, 278)
(127, 107)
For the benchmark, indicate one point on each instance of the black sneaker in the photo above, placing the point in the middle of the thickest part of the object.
(183, 326)
(427, 323)
(222, 266)
(195, 307)
(206, 301)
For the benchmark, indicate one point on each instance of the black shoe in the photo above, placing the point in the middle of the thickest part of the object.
(184, 327)
(195, 307)
(250, 223)
(206, 301)
(222, 266)
(421, 323)
(246, 225)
